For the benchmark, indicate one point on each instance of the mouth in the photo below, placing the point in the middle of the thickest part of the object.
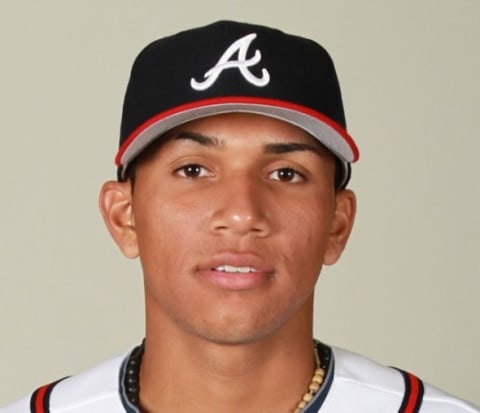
(235, 272)
(232, 269)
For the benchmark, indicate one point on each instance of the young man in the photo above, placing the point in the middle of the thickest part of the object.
(232, 174)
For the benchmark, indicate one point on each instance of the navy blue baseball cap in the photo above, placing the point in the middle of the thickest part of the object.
(230, 67)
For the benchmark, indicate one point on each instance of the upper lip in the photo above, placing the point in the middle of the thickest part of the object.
(236, 259)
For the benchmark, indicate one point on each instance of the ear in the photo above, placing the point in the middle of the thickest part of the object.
(342, 224)
(116, 207)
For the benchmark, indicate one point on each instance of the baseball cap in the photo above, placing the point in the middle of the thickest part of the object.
(230, 67)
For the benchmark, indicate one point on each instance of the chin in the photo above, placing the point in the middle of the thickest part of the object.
(235, 331)
(231, 338)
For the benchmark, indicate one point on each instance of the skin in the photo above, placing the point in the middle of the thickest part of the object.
(242, 190)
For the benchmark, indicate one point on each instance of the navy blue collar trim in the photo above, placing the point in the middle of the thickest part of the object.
(129, 407)
(316, 404)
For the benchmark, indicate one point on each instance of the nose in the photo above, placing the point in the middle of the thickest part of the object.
(241, 208)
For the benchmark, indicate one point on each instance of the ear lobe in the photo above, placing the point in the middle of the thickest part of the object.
(115, 203)
(342, 225)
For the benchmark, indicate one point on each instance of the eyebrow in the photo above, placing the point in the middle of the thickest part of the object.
(199, 138)
(269, 148)
(286, 147)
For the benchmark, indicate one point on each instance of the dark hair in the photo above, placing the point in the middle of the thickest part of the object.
(339, 174)
(148, 151)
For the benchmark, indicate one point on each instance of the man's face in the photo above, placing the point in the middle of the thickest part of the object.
(234, 216)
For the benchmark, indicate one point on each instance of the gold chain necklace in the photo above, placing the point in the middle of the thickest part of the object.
(314, 385)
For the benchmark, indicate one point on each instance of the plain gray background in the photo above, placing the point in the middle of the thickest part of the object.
(405, 292)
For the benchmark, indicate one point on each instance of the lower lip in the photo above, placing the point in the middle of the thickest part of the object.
(235, 281)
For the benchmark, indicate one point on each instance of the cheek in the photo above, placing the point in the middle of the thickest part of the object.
(166, 232)
(308, 238)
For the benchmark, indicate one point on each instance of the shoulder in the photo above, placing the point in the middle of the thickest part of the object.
(371, 386)
(94, 391)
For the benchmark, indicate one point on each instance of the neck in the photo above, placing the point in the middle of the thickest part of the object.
(180, 374)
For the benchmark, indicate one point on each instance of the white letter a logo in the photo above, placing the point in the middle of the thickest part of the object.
(241, 46)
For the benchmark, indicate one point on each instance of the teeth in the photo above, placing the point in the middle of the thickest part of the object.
(233, 269)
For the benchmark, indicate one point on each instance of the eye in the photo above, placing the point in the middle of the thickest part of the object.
(193, 171)
(286, 175)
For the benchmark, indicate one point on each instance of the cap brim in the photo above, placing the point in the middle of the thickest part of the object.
(330, 134)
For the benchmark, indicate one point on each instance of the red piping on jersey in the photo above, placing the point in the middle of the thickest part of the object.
(412, 401)
(413, 395)
(39, 399)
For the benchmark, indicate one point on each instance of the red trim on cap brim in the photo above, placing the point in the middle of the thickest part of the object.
(237, 100)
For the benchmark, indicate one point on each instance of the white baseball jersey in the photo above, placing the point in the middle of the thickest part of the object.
(353, 384)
